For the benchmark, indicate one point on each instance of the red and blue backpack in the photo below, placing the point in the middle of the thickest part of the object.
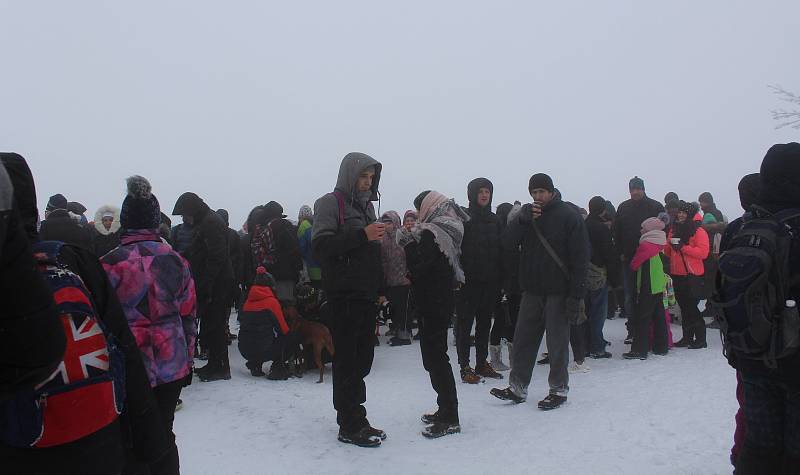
(86, 391)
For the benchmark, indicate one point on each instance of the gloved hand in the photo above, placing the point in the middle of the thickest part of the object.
(575, 310)
(677, 247)
(526, 214)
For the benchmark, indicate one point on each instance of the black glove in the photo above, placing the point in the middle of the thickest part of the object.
(526, 214)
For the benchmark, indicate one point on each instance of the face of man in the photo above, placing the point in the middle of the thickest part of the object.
(637, 194)
(107, 222)
(484, 196)
(681, 216)
(365, 179)
(540, 195)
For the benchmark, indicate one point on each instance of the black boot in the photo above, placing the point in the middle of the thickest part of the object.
(220, 371)
(552, 401)
(278, 371)
(441, 429)
(361, 438)
(506, 395)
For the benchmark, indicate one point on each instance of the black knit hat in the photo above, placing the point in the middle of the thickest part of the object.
(636, 183)
(690, 209)
(274, 210)
(56, 201)
(671, 196)
(749, 189)
(140, 210)
(706, 197)
(541, 181)
(780, 177)
(597, 205)
(420, 198)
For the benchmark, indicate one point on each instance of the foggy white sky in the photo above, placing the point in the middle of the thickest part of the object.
(245, 102)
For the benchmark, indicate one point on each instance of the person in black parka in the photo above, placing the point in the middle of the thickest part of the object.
(480, 259)
(59, 225)
(213, 276)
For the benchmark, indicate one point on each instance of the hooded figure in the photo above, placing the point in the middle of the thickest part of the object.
(106, 238)
(141, 428)
(348, 248)
(396, 283)
(480, 259)
(209, 258)
(62, 225)
(274, 245)
(234, 251)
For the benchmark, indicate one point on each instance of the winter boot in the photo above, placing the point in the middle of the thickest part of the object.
(255, 368)
(430, 418)
(485, 369)
(683, 342)
(220, 371)
(468, 375)
(178, 405)
(441, 429)
(545, 359)
(278, 371)
(396, 341)
(376, 432)
(496, 356)
(506, 395)
(552, 401)
(361, 437)
(634, 355)
(697, 344)
(577, 367)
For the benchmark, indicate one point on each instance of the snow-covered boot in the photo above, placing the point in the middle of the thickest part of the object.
(496, 355)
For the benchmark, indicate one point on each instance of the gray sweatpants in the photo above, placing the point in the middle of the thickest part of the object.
(537, 314)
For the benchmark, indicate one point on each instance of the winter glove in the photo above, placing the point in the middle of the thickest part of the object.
(575, 310)
(526, 214)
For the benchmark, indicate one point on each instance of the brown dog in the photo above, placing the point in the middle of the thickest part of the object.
(313, 334)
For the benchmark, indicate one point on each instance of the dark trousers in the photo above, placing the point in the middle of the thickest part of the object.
(353, 331)
(214, 317)
(166, 398)
(577, 340)
(282, 349)
(772, 417)
(475, 304)
(399, 299)
(434, 319)
(694, 328)
(505, 319)
(596, 308)
(649, 308)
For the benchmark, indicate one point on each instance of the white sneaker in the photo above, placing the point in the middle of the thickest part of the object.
(578, 368)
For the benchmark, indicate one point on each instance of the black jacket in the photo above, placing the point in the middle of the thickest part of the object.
(602, 248)
(628, 223)
(565, 231)
(351, 265)
(104, 243)
(59, 226)
(181, 237)
(480, 249)
(208, 251)
(509, 258)
(432, 277)
(289, 260)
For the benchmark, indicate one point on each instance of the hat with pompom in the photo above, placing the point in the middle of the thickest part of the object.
(140, 210)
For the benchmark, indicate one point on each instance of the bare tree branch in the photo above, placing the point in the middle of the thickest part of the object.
(788, 118)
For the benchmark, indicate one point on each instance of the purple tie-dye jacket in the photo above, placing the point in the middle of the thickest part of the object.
(156, 290)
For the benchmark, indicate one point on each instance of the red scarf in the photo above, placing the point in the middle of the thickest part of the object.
(261, 298)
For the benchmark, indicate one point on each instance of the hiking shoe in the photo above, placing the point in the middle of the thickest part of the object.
(545, 359)
(219, 374)
(661, 353)
(468, 375)
(394, 341)
(628, 340)
(696, 345)
(278, 372)
(576, 367)
(600, 356)
(178, 405)
(552, 401)
(441, 429)
(202, 356)
(682, 343)
(430, 418)
(506, 395)
(634, 355)
(376, 432)
(361, 438)
(257, 372)
(485, 369)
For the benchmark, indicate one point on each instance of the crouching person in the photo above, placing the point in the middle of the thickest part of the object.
(263, 332)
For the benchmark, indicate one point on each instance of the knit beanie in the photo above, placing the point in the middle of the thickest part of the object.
(419, 198)
(305, 213)
(636, 183)
(706, 197)
(56, 201)
(652, 224)
(749, 189)
(671, 196)
(690, 209)
(780, 177)
(597, 205)
(274, 210)
(140, 210)
(264, 278)
(541, 181)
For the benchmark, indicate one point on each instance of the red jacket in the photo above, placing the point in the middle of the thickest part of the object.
(693, 254)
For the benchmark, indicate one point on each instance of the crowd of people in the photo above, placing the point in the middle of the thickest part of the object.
(105, 318)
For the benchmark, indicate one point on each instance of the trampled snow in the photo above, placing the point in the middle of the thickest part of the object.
(667, 415)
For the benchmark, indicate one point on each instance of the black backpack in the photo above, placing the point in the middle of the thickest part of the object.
(758, 318)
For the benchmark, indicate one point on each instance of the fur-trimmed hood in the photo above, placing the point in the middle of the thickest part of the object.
(98, 220)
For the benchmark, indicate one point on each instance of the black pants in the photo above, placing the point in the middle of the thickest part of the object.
(353, 331)
(577, 340)
(649, 308)
(694, 328)
(166, 398)
(214, 317)
(505, 319)
(772, 419)
(399, 299)
(282, 349)
(475, 304)
(434, 319)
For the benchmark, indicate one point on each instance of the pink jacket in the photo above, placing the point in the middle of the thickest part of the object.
(693, 253)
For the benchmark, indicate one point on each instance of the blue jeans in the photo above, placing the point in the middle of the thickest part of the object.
(597, 305)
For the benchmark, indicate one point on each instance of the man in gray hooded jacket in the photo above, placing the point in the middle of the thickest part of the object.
(346, 241)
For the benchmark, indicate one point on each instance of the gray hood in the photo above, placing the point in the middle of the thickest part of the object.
(352, 165)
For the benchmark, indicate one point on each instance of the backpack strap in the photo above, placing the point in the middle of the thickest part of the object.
(339, 201)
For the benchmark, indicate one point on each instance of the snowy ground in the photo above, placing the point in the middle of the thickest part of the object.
(666, 415)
